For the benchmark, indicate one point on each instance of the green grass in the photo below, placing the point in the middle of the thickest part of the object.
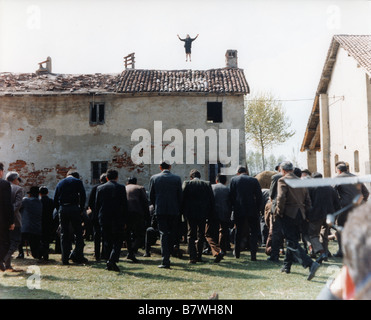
(232, 278)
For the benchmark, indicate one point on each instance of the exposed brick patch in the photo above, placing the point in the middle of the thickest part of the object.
(38, 138)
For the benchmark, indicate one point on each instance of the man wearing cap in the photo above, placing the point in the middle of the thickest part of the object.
(247, 199)
(165, 190)
(31, 212)
(292, 205)
(15, 234)
(6, 216)
(69, 200)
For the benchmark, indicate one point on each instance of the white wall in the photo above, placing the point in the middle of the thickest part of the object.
(348, 112)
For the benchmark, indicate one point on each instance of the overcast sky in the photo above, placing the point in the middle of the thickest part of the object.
(282, 44)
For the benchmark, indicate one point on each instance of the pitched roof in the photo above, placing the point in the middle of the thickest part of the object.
(132, 81)
(220, 81)
(357, 46)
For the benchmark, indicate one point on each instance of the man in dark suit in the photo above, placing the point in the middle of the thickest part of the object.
(69, 200)
(247, 198)
(138, 216)
(292, 206)
(165, 190)
(324, 201)
(197, 207)
(112, 209)
(347, 193)
(223, 210)
(6, 216)
(47, 223)
(93, 215)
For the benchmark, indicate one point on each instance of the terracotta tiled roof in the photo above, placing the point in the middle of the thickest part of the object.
(221, 81)
(131, 81)
(31, 83)
(358, 46)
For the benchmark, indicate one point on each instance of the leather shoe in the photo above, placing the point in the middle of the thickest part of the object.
(322, 257)
(147, 254)
(273, 259)
(286, 270)
(312, 270)
(218, 258)
(164, 266)
(2, 266)
(133, 258)
(112, 266)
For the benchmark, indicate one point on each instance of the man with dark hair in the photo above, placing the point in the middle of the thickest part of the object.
(112, 209)
(6, 216)
(93, 215)
(292, 206)
(347, 193)
(69, 200)
(165, 190)
(138, 217)
(247, 198)
(324, 201)
(197, 207)
(223, 210)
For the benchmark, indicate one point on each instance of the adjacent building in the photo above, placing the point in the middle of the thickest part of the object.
(339, 126)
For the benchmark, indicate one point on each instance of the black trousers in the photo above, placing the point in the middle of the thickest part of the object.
(112, 243)
(196, 232)
(168, 228)
(70, 216)
(277, 237)
(4, 241)
(251, 224)
(294, 251)
(34, 240)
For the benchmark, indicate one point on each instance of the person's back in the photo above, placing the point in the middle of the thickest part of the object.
(31, 212)
(197, 199)
(246, 195)
(111, 203)
(137, 199)
(222, 202)
(166, 193)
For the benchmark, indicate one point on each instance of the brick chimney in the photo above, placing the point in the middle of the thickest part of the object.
(231, 59)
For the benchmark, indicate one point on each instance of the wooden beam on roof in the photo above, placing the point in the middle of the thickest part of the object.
(315, 139)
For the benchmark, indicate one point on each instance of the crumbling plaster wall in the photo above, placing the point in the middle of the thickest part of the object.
(42, 137)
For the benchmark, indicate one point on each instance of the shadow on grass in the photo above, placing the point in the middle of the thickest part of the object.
(23, 292)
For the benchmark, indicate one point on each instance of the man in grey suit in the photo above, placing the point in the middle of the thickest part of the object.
(112, 208)
(15, 234)
(223, 210)
(247, 198)
(165, 191)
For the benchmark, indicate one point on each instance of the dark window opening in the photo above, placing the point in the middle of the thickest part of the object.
(214, 112)
(96, 113)
(97, 168)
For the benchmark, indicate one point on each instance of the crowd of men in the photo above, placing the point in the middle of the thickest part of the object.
(207, 217)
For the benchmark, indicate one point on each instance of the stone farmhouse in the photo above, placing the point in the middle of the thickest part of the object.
(51, 122)
(339, 126)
